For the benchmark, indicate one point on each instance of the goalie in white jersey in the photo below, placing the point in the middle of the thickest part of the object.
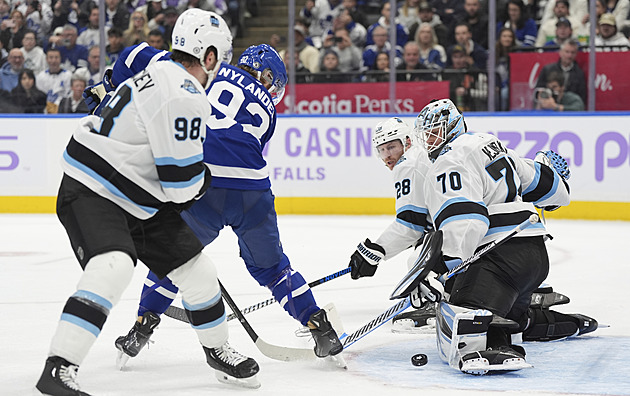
(128, 174)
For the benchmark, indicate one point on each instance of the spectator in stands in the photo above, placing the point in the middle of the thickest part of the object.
(426, 14)
(402, 34)
(329, 71)
(75, 103)
(12, 31)
(10, 71)
(564, 32)
(138, 30)
(506, 43)
(379, 35)
(309, 55)
(73, 55)
(547, 30)
(5, 10)
(584, 28)
(575, 80)
(92, 73)
(358, 16)
(115, 47)
(54, 81)
(38, 18)
(170, 17)
(63, 14)
(319, 15)
(476, 55)
(620, 9)
(116, 15)
(358, 33)
(380, 71)
(411, 68)
(578, 8)
(408, 13)
(302, 74)
(432, 54)
(26, 96)
(448, 10)
(477, 20)
(218, 6)
(517, 19)
(156, 40)
(349, 56)
(609, 37)
(468, 84)
(556, 98)
(34, 56)
(154, 11)
(90, 35)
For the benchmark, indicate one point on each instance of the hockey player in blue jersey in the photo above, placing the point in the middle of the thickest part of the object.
(242, 121)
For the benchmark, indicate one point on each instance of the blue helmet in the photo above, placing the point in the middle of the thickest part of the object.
(437, 124)
(270, 67)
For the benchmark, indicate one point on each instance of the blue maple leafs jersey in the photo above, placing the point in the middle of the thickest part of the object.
(242, 120)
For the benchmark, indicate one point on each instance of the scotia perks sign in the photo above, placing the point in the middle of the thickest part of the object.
(363, 98)
(612, 85)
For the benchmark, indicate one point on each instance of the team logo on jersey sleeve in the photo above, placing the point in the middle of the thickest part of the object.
(190, 87)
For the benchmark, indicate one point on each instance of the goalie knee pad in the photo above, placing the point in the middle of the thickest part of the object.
(548, 325)
(201, 297)
(460, 331)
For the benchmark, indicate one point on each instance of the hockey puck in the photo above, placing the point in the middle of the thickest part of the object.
(419, 360)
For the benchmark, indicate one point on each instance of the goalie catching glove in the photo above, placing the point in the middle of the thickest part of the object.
(365, 259)
(556, 161)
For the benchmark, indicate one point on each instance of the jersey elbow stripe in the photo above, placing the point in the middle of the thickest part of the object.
(414, 220)
(180, 179)
(507, 221)
(546, 184)
(465, 210)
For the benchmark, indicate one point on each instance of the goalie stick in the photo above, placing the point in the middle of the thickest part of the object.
(180, 314)
(271, 351)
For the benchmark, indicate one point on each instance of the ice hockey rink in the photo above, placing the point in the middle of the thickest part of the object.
(589, 263)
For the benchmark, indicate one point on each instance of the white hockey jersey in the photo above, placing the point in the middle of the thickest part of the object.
(475, 188)
(411, 210)
(146, 148)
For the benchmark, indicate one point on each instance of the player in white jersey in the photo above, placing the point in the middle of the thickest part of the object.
(473, 193)
(128, 174)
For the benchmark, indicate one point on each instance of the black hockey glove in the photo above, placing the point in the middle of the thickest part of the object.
(365, 259)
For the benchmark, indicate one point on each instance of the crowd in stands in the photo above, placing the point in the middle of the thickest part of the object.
(50, 47)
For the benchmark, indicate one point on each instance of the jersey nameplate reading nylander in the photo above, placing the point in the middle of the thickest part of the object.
(254, 87)
(493, 149)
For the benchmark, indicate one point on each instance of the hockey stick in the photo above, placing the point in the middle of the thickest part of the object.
(271, 351)
(179, 313)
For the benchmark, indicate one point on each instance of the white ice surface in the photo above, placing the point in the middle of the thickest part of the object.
(589, 263)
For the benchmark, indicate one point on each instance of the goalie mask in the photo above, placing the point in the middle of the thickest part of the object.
(270, 68)
(391, 130)
(197, 30)
(437, 124)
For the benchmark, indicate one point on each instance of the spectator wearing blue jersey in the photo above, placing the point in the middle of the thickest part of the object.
(524, 27)
(73, 55)
(402, 34)
(379, 35)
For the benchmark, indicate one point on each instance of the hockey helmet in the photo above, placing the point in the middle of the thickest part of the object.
(196, 30)
(387, 131)
(437, 124)
(270, 67)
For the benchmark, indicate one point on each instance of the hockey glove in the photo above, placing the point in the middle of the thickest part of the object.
(365, 259)
(554, 160)
(95, 96)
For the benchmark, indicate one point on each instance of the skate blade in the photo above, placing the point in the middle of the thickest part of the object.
(408, 326)
(481, 366)
(250, 382)
(338, 360)
(121, 360)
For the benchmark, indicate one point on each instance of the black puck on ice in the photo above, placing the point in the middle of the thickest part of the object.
(419, 360)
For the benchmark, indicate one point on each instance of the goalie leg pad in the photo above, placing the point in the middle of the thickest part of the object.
(201, 297)
(548, 325)
(460, 331)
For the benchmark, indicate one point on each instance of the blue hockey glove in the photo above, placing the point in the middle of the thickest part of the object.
(365, 259)
(95, 96)
(107, 80)
(555, 160)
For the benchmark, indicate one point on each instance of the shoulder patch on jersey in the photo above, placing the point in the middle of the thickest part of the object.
(190, 87)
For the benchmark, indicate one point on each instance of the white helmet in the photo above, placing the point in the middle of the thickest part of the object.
(391, 129)
(196, 30)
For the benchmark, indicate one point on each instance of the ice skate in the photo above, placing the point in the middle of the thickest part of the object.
(505, 358)
(59, 379)
(131, 344)
(231, 367)
(326, 340)
(419, 321)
